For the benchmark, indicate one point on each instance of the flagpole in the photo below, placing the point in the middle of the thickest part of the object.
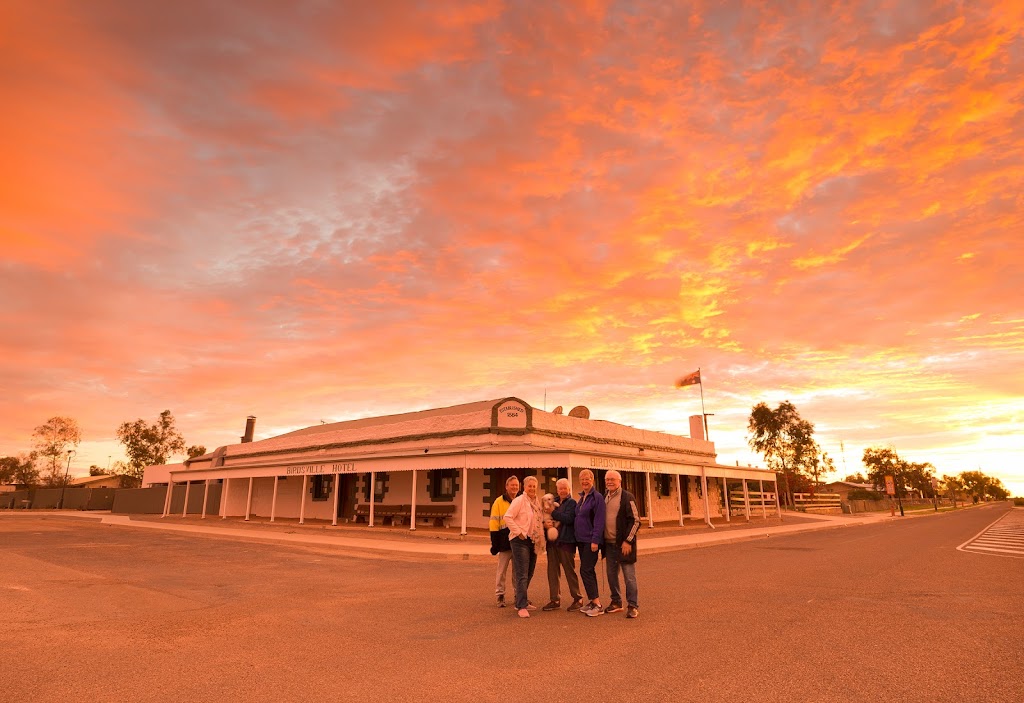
(704, 415)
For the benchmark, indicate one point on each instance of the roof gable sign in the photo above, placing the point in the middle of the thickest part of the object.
(511, 414)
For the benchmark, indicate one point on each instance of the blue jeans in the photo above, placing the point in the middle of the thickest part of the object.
(613, 561)
(524, 561)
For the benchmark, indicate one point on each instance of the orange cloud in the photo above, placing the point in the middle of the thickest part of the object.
(347, 209)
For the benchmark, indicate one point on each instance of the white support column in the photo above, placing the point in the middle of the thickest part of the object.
(206, 495)
(273, 502)
(465, 493)
(568, 475)
(778, 507)
(704, 485)
(373, 493)
(224, 499)
(746, 500)
(412, 515)
(302, 500)
(679, 495)
(248, 500)
(184, 508)
(167, 498)
(337, 492)
(725, 491)
(650, 502)
(764, 508)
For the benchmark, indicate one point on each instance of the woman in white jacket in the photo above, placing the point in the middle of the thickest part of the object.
(526, 537)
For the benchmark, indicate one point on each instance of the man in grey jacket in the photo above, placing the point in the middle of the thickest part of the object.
(622, 524)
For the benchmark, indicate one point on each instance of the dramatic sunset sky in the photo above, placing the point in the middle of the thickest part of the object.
(323, 210)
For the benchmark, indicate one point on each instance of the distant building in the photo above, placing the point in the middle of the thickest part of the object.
(450, 464)
(101, 481)
(843, 488)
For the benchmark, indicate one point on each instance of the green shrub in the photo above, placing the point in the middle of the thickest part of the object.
(864, 494)
(1019, 502)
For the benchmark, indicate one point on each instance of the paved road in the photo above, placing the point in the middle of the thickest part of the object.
(1004, 537)
(889, 611)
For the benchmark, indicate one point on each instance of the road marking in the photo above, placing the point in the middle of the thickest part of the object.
(1004, 537)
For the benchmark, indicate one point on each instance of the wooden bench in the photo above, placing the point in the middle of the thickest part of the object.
(401, 514)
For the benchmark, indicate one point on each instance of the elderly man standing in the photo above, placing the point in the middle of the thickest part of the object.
(500, 546)
(562, 553)
(621, 528)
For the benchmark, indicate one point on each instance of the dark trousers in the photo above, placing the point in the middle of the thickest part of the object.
(524, 561)
(562, 559)
(588, 569)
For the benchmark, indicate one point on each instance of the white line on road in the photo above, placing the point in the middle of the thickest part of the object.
(1003, 537)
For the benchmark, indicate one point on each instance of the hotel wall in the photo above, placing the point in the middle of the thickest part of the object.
(714, 498)
(289, 490)
(665, 508)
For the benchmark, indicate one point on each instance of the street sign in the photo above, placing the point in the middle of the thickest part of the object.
(890, 486)
(935, 484)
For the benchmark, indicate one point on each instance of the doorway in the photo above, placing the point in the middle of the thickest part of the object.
(636, 484)
(346, 496)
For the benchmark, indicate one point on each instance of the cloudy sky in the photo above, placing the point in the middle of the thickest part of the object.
(323, 210)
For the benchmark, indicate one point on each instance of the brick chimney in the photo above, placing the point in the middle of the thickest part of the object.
(250, 427)
(696, 427)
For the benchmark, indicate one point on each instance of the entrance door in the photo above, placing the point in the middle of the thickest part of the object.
(636, 484)
(346, 499)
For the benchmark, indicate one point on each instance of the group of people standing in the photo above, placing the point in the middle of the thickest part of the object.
(594, 525)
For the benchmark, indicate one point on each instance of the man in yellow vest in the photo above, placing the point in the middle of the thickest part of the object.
(500, 546)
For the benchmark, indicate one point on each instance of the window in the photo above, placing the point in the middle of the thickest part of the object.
(321, 488)
(442, 484)
(664, 482)
(380, 487)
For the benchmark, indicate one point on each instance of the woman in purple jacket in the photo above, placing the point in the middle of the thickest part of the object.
(589, 536)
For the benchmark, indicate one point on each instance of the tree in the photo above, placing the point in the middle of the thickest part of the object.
(975, 484)
(195, 450)
(856, 478)
(981, 486)
(997, 490)
(52, 439)
(19, 470)
(95, 470)
(919, 477)
(953, 485)
(819, 465)
(882, 462)
(785, 439)
(147, 444)
(8, 465)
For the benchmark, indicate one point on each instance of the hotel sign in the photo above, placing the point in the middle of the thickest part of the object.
(598, 462)
(307, 469)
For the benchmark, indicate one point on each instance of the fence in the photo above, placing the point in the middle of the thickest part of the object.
(761, 503)
(818, 502)
(151, 500)
(73, 499)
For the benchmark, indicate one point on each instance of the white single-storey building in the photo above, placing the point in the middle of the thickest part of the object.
(449, 464)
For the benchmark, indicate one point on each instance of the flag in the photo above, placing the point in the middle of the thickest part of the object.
(691, 379)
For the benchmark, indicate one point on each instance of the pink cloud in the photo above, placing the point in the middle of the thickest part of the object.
(341, 210)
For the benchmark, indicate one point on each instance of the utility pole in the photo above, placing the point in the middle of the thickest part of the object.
(63, 485)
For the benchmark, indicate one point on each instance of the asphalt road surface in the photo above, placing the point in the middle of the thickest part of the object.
(889, 612)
